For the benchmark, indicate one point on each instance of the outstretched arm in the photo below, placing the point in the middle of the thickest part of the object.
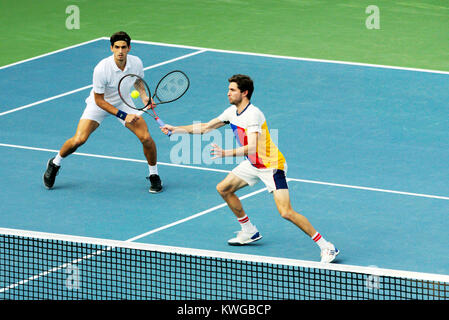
(196, 128)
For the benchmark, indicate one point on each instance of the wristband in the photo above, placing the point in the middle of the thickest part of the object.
(122, 115)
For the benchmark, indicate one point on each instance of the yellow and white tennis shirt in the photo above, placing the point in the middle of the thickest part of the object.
(251, 119)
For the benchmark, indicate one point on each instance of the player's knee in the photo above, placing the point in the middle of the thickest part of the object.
(286, 213)
(222, 189)
(146, 140)
(219, 189)
(79, 140)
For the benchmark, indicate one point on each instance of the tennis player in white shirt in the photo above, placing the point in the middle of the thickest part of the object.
(103, 101)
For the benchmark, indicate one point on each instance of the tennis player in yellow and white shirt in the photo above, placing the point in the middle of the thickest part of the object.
(263, 162)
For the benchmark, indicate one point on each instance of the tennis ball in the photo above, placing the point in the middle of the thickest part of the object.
(135, 94)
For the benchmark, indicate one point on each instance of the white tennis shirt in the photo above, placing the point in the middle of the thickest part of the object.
(107, 76)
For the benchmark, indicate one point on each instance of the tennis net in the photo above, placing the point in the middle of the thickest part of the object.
(36, 265)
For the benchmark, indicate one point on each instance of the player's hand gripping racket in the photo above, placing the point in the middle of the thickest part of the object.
(136, 94)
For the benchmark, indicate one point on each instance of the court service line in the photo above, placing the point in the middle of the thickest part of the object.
(370, 189)
(175, 59)
(90, 86)
(114, 158)
(227, 171)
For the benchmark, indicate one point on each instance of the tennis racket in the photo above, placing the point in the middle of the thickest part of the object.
(136, 94)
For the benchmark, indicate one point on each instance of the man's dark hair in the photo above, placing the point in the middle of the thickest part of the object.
(120, 36)
(244, 83)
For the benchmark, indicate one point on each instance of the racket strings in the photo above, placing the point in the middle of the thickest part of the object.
(172, 87)
(134, 91)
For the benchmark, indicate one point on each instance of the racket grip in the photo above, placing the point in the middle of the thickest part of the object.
(161, 123)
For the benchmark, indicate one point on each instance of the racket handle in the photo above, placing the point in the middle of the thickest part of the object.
(161, 123)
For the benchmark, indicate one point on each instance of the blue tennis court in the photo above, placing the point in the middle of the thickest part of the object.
(367, 150)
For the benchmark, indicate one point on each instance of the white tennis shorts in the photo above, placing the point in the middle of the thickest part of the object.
(273, 179)
(95, 113)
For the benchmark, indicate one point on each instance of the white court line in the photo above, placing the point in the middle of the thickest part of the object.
(175, 59)
(227, 171)
(90, 86)
(115, 158)
(369, 189)
(293, 58)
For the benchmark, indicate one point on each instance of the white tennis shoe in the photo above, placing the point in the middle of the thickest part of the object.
(244, 237)
(329, 253)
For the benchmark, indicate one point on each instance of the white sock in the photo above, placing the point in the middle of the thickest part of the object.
(57, 160)
(247, 226)
(153, 169)
(319, 240)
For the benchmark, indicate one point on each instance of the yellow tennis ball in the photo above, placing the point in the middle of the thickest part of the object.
(135, 94)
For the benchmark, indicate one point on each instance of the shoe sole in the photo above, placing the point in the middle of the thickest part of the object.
(244, 243)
